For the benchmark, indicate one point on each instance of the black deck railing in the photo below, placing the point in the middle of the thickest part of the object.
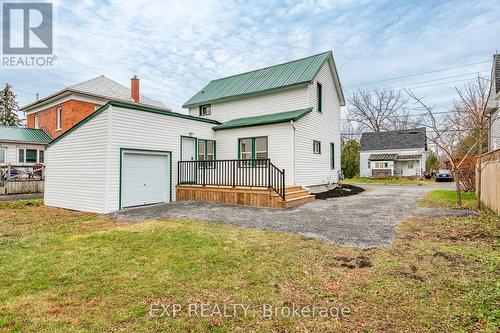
(245, 173)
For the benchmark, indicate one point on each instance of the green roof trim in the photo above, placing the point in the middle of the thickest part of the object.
(268, 119)
(133, 106)
(287, 75)
(22, 134)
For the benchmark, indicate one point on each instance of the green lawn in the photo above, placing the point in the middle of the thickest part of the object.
(63, 271)
(448, 199)
(392, 181)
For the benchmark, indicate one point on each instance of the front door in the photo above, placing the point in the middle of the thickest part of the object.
(188, 147)
(188, 153)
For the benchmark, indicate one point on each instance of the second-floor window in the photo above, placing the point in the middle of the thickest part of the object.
(205, 110)
(319, 89)
(36, 121)
(59, 118)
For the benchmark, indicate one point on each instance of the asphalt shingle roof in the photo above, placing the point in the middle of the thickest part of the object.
(22, 134)
(267, 119)
(103, 87)
(405, 139)
(292, 73)
(106, 87)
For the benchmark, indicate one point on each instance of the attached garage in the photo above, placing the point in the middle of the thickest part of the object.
(145, 177)
(123, 155)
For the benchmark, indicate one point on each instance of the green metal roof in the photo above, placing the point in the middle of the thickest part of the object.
(267, 119)
(289, 74)
(21, 134)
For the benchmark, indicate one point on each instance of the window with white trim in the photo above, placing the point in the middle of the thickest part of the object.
(36, 121)
(59, 119)
(316, 147)
(27, 155)
(3, 155)
(381, 165)
(205, 110)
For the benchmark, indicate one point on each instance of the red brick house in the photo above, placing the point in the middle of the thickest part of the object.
(57, 113)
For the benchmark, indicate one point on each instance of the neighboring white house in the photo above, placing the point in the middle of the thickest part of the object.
(393, 153)
(22, 146)
(494, 105)
(127, 154)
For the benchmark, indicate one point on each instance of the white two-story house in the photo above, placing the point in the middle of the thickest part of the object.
(494, 106)
(276, 128)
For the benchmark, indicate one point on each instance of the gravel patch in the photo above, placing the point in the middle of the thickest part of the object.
(15, 197)
(366, 220)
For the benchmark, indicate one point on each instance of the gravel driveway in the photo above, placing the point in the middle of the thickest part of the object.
(365, 220)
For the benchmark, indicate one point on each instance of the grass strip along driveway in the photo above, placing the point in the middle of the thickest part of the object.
(388, 181)
(66, 271)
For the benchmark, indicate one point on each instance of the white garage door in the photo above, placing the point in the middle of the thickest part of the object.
(145, 178)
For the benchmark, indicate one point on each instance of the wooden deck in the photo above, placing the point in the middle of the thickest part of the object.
(248, 196)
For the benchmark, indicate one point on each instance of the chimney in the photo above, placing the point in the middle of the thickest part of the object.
(134, 89)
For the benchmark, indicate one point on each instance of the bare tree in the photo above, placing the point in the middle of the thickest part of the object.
(445, 133)
(403, 121)
(375, 109)
(472, 112)
(351, 131)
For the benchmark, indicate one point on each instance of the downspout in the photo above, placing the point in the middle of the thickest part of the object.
(293, 153)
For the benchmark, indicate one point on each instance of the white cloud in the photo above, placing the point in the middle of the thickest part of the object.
(176, 47)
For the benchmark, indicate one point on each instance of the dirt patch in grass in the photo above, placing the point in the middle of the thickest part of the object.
(340, 191)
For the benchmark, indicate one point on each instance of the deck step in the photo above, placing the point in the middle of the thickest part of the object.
(292, 188)
(296, 194)
(297, 201)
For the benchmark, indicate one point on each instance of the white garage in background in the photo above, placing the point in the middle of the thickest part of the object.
(122, 155)
(145, 177)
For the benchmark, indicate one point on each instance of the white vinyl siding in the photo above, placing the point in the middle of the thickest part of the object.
(365, 166)
(281, 101)
(495, 131)
(75, 177)
(12, 151)
(83, 170)
(146, 130)
(279, 144)
(311, 168)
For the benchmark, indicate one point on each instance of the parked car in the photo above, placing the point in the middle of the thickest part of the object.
(444, 176)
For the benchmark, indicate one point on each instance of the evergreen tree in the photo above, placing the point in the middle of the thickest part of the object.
(350, 158)
(432, 162)
(8, 107)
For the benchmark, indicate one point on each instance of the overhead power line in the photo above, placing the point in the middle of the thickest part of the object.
(439, 79)
(418, 74)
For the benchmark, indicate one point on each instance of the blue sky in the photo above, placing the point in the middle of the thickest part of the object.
(178, 46)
